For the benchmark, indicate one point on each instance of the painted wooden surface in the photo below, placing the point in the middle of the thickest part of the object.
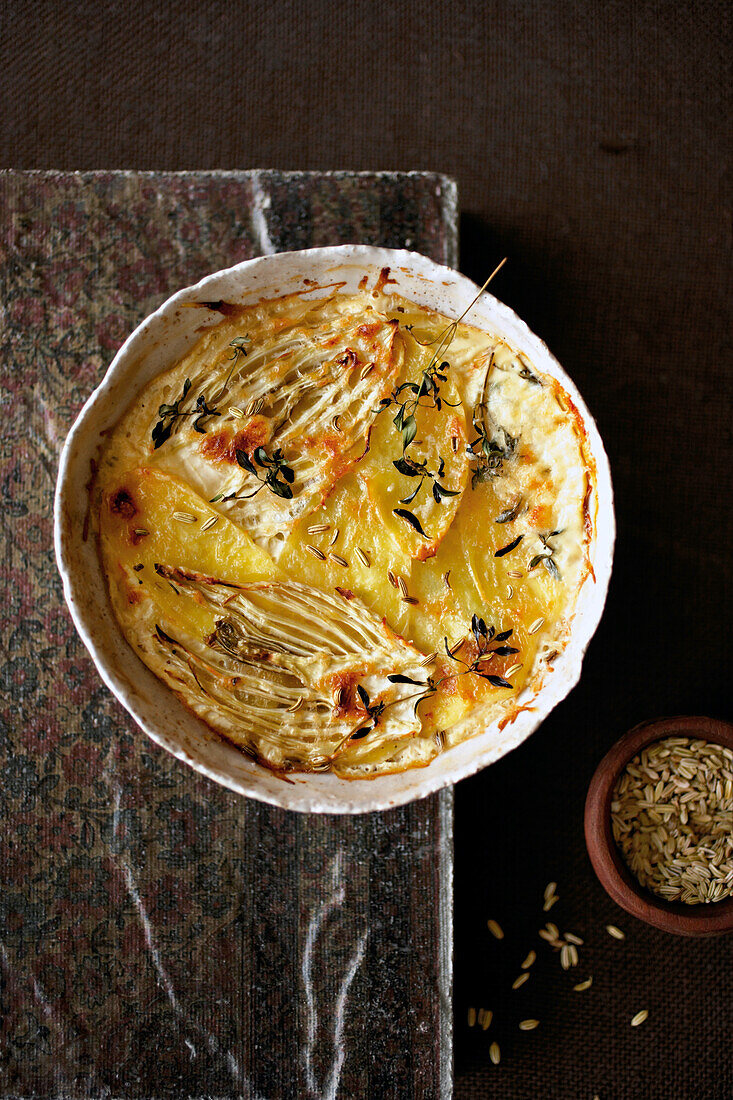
(160, 937)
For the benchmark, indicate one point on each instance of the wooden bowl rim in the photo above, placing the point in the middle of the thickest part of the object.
(709, 919)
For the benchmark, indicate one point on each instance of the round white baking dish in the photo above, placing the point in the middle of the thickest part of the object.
(158, 343)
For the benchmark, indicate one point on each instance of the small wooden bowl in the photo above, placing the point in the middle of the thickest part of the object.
(709, 919)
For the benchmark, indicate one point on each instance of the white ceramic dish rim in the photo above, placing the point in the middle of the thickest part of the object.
(158, 341)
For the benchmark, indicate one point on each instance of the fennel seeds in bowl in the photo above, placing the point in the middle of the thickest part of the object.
(672, 819)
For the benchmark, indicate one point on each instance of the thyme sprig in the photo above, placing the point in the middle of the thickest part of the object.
(489, 454)
(410, 467)
(428, 386)
(374, 710)
(546, 557)
(169, 414)
(278, 478)
(485, 637)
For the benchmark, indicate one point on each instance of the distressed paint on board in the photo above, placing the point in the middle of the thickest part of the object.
(161, 937)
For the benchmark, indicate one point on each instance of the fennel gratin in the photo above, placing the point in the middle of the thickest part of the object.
(346, 530)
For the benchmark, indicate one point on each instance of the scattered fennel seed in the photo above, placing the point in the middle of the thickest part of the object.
(495, 1053)
(528, 1025)
(615, 932)
(639, 1018)
(495, 928)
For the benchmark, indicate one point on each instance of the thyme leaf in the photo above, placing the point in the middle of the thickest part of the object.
(497, 681)
(203, 411)
(168, 415)
(508, 549)
(485, 636)
(278, 479)
(509, 513)
(411, 519)
(545, 557)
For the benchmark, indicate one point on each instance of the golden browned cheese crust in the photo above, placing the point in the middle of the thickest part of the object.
(346, 531)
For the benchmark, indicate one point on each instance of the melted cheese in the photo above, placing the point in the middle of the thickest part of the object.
(301, 518)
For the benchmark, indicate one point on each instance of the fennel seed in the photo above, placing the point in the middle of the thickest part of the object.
(361, 555)
(236, 413)
(495, 928)
(316, 528)
(316, 552)
(184, 517)
(536, 626)
(671, 815)
(210, 523)
(339, 560)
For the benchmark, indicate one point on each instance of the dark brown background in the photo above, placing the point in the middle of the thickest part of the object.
(590, 143)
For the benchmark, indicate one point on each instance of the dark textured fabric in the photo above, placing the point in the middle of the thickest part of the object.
(591, 144)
